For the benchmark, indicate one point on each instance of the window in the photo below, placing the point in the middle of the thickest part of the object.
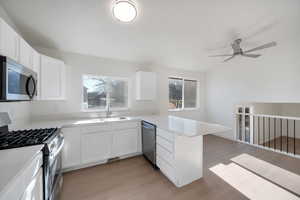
(182, 94)
(99, 92)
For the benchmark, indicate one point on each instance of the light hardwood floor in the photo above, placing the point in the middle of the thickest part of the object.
(283, 143)
(135, 179)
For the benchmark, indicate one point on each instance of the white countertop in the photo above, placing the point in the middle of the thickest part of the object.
(13, 162)
(67, 123)
(173, 124)
(185, 127)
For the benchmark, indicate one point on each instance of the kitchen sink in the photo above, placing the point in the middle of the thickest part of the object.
(111, 119)
(99, 120)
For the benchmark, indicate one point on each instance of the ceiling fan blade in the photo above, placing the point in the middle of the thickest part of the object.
(251, 55)
(222, 55)
(268, 45)
(229, 58)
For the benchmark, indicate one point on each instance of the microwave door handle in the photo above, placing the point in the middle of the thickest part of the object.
(31, 95)
(35, 87)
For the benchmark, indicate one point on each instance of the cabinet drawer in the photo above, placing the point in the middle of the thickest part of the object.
(165, 154)
(165, 143)
(165, 134)
(166, 169)
(110, 126)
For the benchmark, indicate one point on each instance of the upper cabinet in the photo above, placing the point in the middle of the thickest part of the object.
(36, 61)
(14, 46)
(36, 66)
(52, 78)
(26, 54)
(9, 41)
(50, 72)
(145, 85)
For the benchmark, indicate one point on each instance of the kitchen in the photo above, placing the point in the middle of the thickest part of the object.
(90, 100)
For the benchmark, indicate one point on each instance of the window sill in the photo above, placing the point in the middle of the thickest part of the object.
(104, 110)
(185, 109)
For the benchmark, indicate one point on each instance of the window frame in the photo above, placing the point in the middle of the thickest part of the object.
(183, 105)
(127, 80)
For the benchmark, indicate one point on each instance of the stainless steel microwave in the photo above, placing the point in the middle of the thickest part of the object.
(18, 83)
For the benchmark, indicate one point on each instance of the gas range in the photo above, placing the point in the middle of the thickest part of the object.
(21, 138)
(53, 141)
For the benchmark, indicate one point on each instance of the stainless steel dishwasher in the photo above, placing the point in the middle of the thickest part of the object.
(149, 142)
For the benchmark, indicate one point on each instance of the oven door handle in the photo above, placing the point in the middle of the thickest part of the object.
(54, 154)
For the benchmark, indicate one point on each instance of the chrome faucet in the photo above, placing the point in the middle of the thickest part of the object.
(108, 111)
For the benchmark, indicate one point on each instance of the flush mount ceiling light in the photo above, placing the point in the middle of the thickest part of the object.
(124, 11)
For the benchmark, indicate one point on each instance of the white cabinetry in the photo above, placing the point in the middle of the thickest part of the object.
(88, 145)
(51, 72)
(71, 154)
(53, 78)
(145, 85)
(36, 61)
(96, 147)
(26, 54)
(29, 182)
(34, 190)
(9, 41)
(179, 157)
(125, 142)
(36, 65)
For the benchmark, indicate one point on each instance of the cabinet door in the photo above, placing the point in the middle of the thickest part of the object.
(36, 67)
(34, 190)
(52, 76)
(9, 42)
(26, 54)
(96, 147)
(125, 142)
(145, 86)
(36, 61)
(71, 154)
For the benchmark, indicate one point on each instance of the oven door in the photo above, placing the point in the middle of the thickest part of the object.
(53, 173)
(21, 82)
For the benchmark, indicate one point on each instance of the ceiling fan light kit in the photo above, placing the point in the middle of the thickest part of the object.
(237, 50)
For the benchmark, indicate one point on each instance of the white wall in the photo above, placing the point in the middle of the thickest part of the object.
(18, 111)
(77, 65)
(274, 77)
(290, 109)
(6, 18)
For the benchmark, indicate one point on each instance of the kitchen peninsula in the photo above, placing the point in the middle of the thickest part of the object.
(178, 145)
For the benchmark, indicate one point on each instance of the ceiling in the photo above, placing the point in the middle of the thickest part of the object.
(169, 33)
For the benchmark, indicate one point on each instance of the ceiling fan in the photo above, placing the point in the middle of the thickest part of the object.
(237, 50)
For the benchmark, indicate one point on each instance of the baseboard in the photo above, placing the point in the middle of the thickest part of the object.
(98, 162)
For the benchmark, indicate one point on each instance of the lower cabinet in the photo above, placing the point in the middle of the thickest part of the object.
(95, 146)
(71, 154)
(34, 190)
(179, 157)
(125, 142)
(28, 184)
